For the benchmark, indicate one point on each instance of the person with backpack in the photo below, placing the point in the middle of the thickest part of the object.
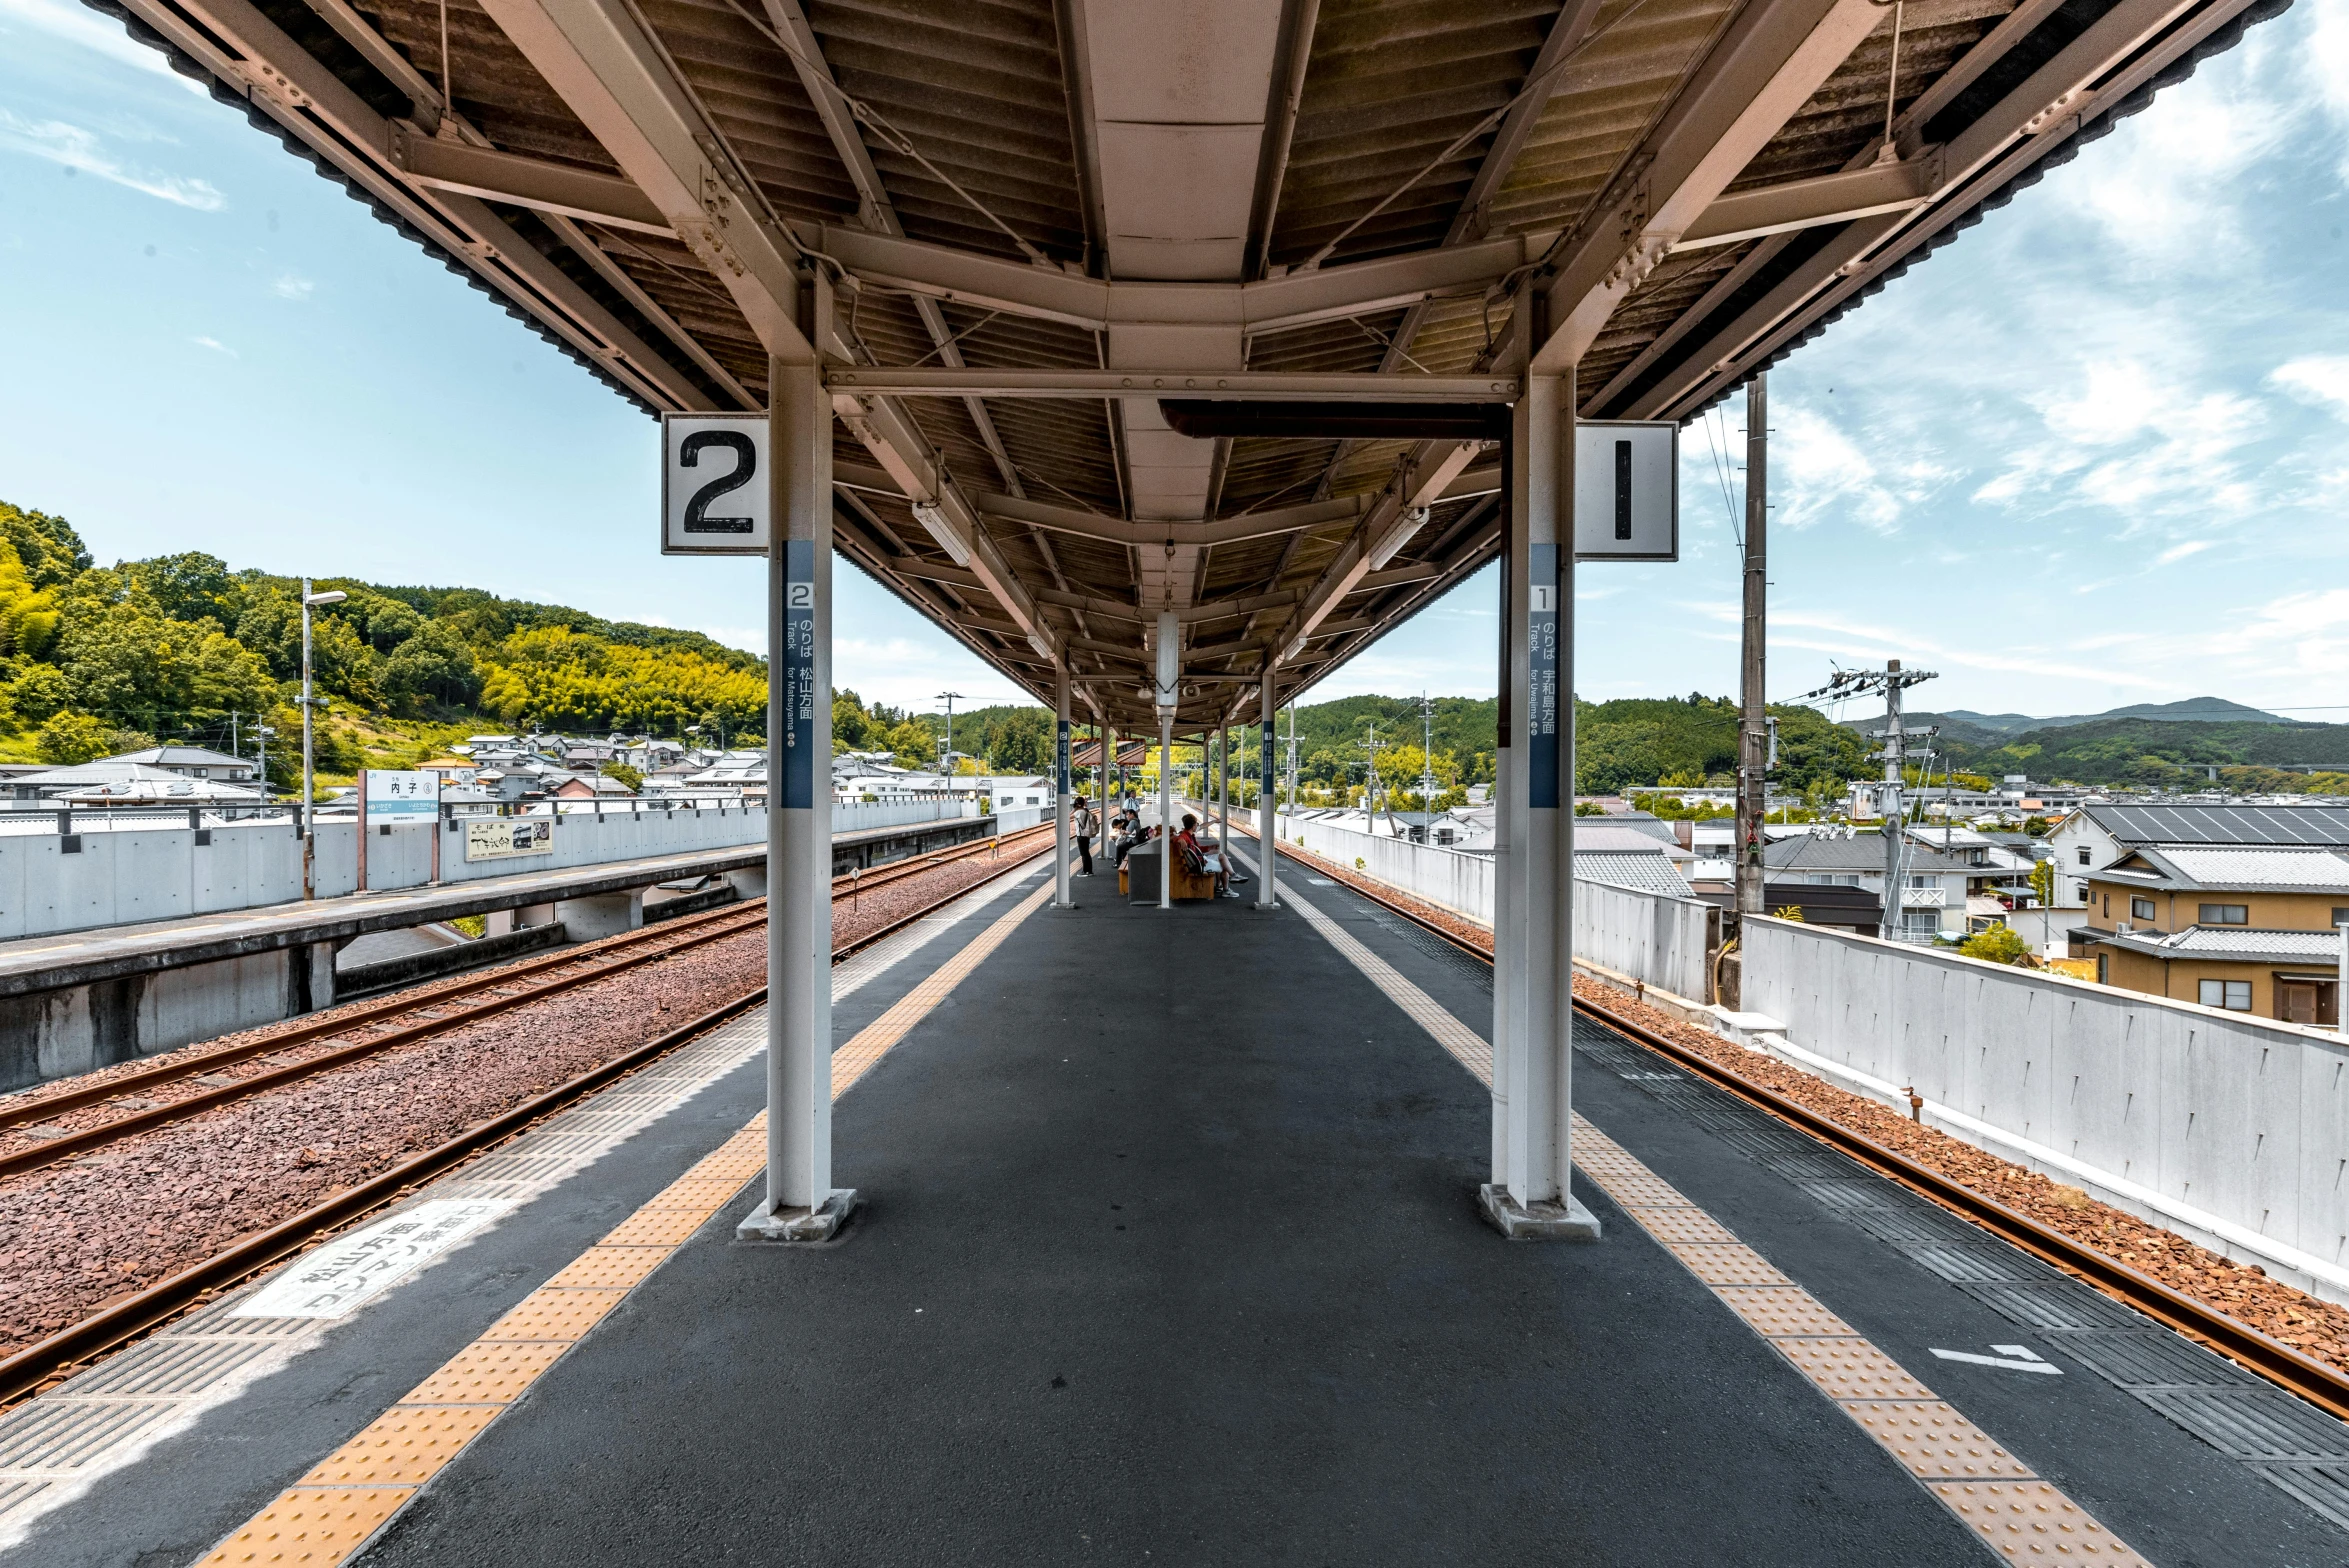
(1084, 828)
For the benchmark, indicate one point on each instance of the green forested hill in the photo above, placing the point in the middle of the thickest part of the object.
(96, 659)
(2153, 752)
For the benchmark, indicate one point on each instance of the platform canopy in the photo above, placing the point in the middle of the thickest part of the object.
(1056, 255)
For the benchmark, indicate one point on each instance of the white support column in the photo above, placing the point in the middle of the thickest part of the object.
(1165, 810)
(1223, 791)
(1060, 785)
(802, 1205)
(1529, 1197)
(1267, 831)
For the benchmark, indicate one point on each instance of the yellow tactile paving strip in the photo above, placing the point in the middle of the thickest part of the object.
(2021, 1517)
(328, 1514)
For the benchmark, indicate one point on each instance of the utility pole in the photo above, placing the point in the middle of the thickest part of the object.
(1426, 755)
(1292, 756)
(1753, 759)
(948, 697)
(309, 824)
(1890, 682)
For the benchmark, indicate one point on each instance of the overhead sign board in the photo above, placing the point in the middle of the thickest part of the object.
(1626, 490)
(397, 793)
(504, 838)
(717, 489)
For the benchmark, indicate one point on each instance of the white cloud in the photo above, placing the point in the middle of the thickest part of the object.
(76, 148)
(77, 24)
(215, 345)
(292, 287)
(2179, 552)
(2322, 379)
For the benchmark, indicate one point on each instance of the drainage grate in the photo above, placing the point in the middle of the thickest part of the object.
(2325, 1488)
(2057, 1306)
(2156, 1359)
(2253, 1423)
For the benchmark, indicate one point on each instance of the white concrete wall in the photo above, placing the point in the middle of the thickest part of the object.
(1647, 936)
(1446, 878)
(2230, 1129)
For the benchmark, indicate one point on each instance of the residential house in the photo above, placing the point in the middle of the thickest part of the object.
(195, 762)
(1938, 878)
(114, 782)
(591, 786)
(2244, 928)
(2097, 835)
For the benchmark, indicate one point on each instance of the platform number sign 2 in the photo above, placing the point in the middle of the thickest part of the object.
(716, 485)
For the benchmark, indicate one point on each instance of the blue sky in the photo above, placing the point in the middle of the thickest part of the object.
(2095, 452)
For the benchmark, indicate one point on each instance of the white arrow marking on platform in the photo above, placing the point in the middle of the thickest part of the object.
(2015, 1358)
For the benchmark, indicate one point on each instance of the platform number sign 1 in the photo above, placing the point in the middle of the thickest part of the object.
(799, 676)
(1063, 775)
(716, 485)
(1541, 723)
(1626, 490)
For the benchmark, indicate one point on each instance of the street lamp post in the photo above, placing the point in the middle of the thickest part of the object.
(948, 697)
(309, 754)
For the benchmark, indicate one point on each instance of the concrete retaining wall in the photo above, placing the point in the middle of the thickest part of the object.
(1444, 877)
(1663, 941)
(2230, 1129)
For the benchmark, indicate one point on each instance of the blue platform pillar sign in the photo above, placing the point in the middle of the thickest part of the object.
(796, 667)
(1542, 697)
(1063, 798)
(1267, 825)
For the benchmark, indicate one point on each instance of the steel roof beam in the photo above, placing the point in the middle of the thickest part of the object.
(1769, 62)
(614, 78)
(1272, 304)
(526, 182)
(900, 381)
(1843, 197)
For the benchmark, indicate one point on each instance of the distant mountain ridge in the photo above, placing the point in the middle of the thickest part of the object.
(2194, 710)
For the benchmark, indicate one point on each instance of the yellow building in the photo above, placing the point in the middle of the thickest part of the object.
(2244, 929)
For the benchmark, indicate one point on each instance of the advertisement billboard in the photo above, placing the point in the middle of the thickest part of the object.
(504, 838)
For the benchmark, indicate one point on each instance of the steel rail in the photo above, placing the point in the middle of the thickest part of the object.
(49, 1106)
(48, 1360)
(586, 963)
(2323, 1386)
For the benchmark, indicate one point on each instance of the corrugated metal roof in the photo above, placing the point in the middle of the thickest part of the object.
(1417, 125)
(2271, 870)
(1645, 871)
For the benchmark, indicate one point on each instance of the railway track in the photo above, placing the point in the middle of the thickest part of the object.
(2312, 1380)
(60, 1354)
(405, 1020)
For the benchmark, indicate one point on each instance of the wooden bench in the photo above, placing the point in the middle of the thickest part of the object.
(1186, 886)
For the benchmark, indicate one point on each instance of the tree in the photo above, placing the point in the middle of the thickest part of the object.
(2043, 883)
(628, 776)
(1999, 945)
(186, 587)
(70, 739)
(40, 692)
(1020, 741)
(433, 666)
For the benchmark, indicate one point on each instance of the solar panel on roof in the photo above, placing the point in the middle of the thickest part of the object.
(2183, 824)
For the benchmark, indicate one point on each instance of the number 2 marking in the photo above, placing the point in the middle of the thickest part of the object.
(746, 465)
(800, 596)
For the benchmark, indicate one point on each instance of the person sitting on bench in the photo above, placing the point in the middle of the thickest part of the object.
(1198, 860)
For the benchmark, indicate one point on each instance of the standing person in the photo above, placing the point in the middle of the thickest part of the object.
(1084, 828)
